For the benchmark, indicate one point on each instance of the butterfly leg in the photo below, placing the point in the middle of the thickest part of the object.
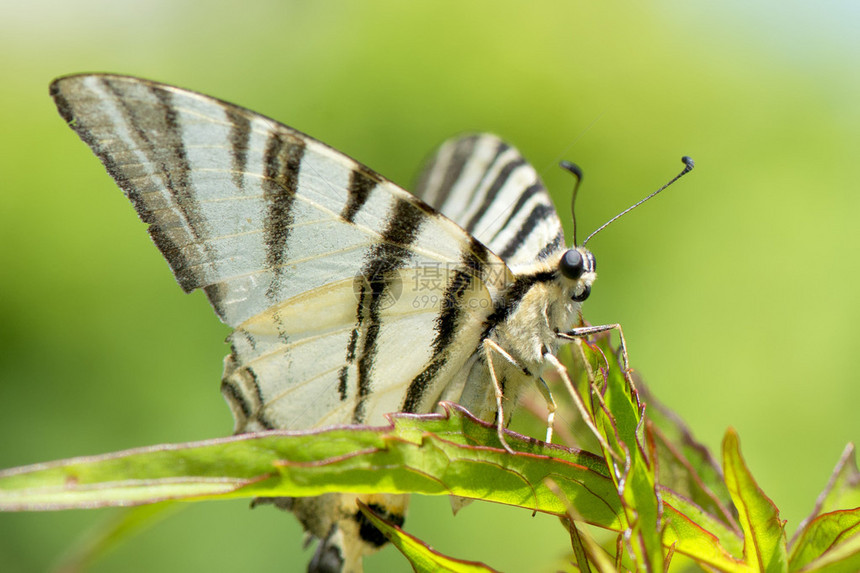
(579, 334)
(489, 347)
(580, 405)
(586, 331)
(550, 406)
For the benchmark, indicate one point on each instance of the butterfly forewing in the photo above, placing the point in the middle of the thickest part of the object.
(277, 228)
(485, 186)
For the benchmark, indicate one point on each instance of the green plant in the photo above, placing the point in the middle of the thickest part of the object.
(646, 480)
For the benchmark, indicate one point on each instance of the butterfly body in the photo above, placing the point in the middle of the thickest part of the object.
(349, 297)
(538, 306)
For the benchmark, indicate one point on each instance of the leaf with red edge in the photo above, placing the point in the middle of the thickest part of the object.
(684, 465)
(830, 537)
(842, 490)
(764, 531)
(830, 542)
(698, 534)
(437, 454)
(618, 414)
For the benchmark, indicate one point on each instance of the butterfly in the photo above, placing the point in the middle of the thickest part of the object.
(349, 297)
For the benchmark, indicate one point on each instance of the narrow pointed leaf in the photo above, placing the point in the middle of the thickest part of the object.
(684, 465)
(764, 532)
(101, 539)
(420, 555)
(582, 558)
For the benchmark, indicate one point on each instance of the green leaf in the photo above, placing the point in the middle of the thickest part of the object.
(829, 539)
(699, 535)
(842, 492)
(454, 453)
(764, 532)
(420, 556)
(102, 538)
(684, 465)
(582, 559)
(618, 414)
(831, 542)
(707, 532)
(435, 454)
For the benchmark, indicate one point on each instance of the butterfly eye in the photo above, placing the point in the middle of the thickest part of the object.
(572, 265)
(583, 295)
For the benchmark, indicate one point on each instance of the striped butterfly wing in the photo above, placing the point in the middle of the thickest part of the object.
(488, 188)
(317, 262)
(349, 297)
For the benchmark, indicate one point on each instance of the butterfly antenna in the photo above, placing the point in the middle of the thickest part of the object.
(688, 166)
(574, 169)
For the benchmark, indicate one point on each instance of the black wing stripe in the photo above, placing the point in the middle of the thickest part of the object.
(106, 154)
(390, 254)
(152, 154)
(493, 191)
(554, 245)
(510, 300)
(234, 396)
(165, 150)
(418, 387)
(240, 137)
(454, 170)
(473, 266)
(361, 183)
(241, 388)
(282, 161)
(480, 184)
(526, 195)
(540, 213)
(158, 134)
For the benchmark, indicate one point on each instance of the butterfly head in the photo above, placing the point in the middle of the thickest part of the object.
(578, 266)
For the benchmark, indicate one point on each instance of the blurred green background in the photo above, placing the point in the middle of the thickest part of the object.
(736, 289)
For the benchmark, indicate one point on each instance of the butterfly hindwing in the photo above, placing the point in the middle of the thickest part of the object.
(328, 357)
